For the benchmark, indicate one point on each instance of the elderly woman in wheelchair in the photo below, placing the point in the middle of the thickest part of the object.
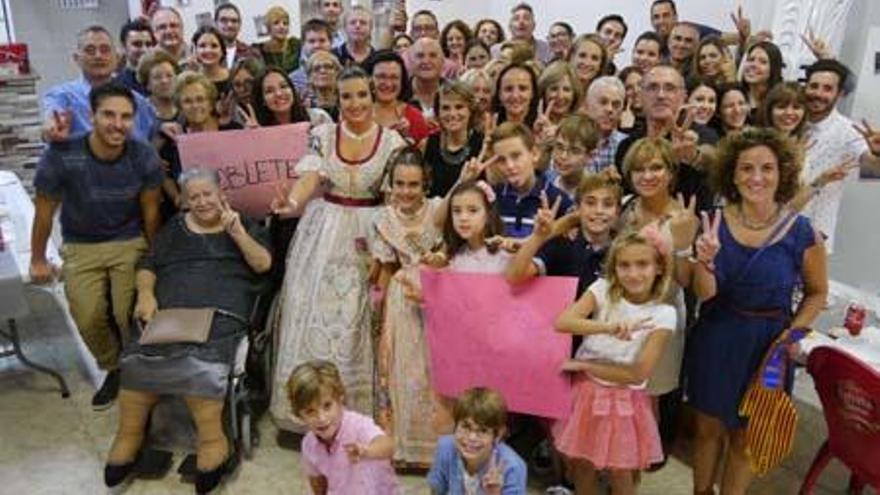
(195, 289)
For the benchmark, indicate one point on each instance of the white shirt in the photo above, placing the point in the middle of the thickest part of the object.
(834, 142)
(606, 347)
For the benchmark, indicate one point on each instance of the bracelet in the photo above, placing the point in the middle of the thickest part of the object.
(687, 252)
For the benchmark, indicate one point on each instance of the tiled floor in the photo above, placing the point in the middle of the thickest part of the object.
(50, 445)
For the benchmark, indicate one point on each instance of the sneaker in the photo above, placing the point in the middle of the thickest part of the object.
(106, 395)
(558, 490)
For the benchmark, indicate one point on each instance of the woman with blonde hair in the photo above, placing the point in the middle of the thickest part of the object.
(588, 58)
(281, 49)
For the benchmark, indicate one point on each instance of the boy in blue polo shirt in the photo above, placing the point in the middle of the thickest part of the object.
(519, 194)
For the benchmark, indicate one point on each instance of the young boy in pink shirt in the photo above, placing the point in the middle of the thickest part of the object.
(344, 452)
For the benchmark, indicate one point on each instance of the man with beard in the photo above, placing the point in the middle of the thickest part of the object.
(605, 99)
(835, 141)
(66, 111)
(108, 187)
(227, 18)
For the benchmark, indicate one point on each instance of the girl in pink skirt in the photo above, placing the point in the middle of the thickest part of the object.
(625, 327)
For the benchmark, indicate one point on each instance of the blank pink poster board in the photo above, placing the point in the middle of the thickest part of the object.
(484, 332)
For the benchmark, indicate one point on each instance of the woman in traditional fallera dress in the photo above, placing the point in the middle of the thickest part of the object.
(325, 312)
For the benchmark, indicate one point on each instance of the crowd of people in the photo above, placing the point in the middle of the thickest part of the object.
(691, 191)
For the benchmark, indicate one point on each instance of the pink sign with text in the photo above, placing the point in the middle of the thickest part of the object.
(484, 332)
(250, 162)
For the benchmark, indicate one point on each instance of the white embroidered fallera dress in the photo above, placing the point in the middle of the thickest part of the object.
(325, 312)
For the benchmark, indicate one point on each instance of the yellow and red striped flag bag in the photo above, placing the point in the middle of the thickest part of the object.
(771, 413)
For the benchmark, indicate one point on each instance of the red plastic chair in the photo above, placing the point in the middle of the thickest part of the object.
(850, 394)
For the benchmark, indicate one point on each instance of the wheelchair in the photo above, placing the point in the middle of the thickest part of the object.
(170, 427)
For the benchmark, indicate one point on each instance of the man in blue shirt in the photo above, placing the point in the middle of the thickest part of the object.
(66, 111)
(108, 187)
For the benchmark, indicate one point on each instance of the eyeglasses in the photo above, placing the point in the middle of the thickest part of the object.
(657, 87)
(142, 44)
(561, 149)
(92, 50)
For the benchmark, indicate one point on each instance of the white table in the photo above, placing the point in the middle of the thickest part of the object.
(16, 219)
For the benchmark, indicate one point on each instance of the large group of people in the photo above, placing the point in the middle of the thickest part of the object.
(691, 191)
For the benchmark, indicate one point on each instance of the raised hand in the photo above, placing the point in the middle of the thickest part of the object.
(684, 140)
(282, 204)
(627, 117)
(230, 219)
(57, 127)
(683, 223)
(546, 216)
(474, 168)
(743, 24)
(871, 135)
(247, 116)
(817, 46)
(493, 480)
(225, 108)
(490, 122)
(836, 173)
(708, 245)
(543, 127)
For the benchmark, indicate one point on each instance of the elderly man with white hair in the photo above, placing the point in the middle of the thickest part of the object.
(604, 105)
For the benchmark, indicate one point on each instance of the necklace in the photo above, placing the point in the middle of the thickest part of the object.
(454, 157)
(757, 226)
(357, 137)
(414, 215)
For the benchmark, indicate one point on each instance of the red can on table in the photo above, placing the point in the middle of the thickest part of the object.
(855, 319)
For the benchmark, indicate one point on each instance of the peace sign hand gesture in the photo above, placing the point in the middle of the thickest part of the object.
(545, 217)
(743, 24)
(230, 219)
(543, 127)
(493, 480)
(708, 244)
(871, 135)
(282, 204)
(247, 116)
(817, 46)
(683, 223)
(684, 140)
(475, 167)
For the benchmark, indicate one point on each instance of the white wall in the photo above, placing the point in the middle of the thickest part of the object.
(583, 14)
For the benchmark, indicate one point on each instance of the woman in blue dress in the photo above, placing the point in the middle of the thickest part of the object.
(752, 255)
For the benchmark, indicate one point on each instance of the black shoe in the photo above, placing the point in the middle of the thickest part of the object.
(116, 474)
(105, 395)
(208, 480)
